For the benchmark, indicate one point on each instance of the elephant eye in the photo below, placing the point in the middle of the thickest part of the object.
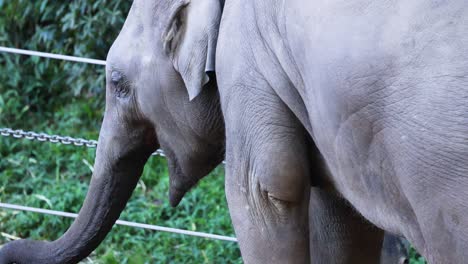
(116, 77)
(119, 85)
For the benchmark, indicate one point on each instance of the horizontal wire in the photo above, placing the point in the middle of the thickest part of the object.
(121, 222)
(52, 56)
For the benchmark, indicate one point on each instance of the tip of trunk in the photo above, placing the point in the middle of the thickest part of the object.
(175, 196)
(28, 251)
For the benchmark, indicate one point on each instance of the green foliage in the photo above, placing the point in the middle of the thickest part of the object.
(68, 98)
(415, 257)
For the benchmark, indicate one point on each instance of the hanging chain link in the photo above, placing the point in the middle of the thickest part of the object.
(8, 132)
(65, 140)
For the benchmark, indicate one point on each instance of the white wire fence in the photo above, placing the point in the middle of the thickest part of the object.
(52, 56)
(8, 132)
(120, 222)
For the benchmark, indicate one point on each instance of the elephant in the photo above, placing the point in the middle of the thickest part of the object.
(336, 119)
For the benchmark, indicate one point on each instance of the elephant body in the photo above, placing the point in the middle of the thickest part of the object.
(337, 119)
(379, 90)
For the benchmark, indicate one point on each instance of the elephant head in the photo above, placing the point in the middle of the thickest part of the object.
(160, 91)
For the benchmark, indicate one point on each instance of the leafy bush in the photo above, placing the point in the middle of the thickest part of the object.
(68, 98)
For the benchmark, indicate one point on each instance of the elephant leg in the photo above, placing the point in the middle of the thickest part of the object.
(267, 180)
(338, 234)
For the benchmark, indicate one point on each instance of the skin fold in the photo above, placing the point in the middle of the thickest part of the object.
(381, 90)
(337, 120)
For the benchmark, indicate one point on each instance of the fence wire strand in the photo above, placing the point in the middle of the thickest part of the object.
(66, 140)
(52, 56)
(120, 222)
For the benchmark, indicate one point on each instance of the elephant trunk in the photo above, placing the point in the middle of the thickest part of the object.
(118, 167)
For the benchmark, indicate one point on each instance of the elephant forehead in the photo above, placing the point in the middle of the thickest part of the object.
(131, 56)
(149, 13)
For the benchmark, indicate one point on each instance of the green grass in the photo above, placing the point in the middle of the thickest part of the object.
(56, 177)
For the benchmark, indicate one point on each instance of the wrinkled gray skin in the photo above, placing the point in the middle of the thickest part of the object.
(380, 88)
(338, 234)
(366, 101)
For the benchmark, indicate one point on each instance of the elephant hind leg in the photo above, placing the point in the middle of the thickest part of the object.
(268, 181)
(338, 234)
(271, 223)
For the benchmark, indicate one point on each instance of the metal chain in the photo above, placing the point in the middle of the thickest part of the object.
(65, 140)
(8, 132)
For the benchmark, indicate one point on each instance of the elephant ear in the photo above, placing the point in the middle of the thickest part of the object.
(190, 39)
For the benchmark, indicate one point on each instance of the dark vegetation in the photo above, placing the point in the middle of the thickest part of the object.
(67, 98)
